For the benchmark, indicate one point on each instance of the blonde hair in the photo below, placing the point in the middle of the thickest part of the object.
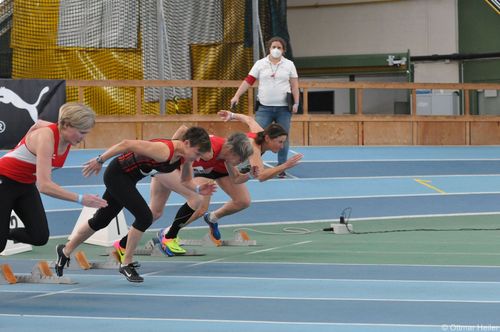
(239, 144)
(77, 115)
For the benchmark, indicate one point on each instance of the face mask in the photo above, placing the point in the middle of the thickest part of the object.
(275, 53)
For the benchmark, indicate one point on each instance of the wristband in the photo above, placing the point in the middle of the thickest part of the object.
(197, 189)
(99, 160)
(231, 116)
(80, 199)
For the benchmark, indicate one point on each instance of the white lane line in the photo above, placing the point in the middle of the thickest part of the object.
(269, 249)
(207, 262)
(226, 321)
(280, 298)
(305, 280)
(55, 293)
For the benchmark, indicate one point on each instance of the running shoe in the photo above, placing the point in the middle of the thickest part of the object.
(160, 237)
(173, 246)
(62, 260)
(161, 234)
(120, 252)
(214, 227)
(130, 272)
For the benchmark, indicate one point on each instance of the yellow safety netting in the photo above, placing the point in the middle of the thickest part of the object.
(37, 55)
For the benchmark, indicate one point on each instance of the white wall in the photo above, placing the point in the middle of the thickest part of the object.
(424, 27)
(437, 72)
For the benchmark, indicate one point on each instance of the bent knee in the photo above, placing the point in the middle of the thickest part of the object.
(195, 202)
(144, 222)
(40, 241)
(242, 204)
(199, 212)
(156, 215)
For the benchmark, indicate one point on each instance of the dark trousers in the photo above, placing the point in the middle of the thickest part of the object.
(121, 192)
(25, 201)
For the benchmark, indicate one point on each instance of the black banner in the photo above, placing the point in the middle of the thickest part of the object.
(22, 102)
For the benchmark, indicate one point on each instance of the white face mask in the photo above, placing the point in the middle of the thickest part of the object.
(276, 53)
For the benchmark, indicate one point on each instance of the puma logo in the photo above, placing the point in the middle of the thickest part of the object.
(8, 96)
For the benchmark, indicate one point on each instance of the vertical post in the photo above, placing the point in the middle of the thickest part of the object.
(466, 98)
(251, 103)
(305, 101)
(161, 51)
(466, 102)
(359, 100)
(80, 93)
(138, 100)
(413, 117)
(195, 100)
(255, 29)
(352, 96)
(359, 112)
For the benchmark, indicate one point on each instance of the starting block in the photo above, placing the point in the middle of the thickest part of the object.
(40, 274)
(111, 263)
(241, 239)
(7, 275)
(152, 248)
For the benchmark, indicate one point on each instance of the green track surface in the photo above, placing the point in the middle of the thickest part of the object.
(445, 245)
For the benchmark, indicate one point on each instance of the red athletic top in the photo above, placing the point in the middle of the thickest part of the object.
(213, 164)
(131, 162)
(19, 164)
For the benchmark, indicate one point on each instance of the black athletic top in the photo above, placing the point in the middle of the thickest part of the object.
(139, 166)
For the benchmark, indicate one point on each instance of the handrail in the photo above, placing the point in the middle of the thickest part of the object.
(302, 84)
(410, 128)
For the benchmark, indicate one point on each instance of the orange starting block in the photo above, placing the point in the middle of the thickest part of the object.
(7, 274)
(111, 263)
(40, 274)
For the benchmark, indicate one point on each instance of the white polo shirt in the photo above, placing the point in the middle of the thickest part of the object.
(274, 80)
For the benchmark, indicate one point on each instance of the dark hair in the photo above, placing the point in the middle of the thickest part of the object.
(278, 39)
(274, 130)
(198, 136)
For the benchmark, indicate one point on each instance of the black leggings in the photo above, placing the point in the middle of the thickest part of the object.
(25, 200)
(121, 192)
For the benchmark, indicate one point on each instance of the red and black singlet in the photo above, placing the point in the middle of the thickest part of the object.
(141, 166)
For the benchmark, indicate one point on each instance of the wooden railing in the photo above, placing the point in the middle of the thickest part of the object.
(314, 129)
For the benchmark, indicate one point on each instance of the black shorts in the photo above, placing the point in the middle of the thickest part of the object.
(212, 175)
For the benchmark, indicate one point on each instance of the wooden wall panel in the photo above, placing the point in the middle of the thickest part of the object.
(224, 129)
(441, 133)
(103, 135)
(297, 133)
(152, 130)
(387, 133)
(485, 133)
(333, 133)
(166, 129)
(313, 133)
